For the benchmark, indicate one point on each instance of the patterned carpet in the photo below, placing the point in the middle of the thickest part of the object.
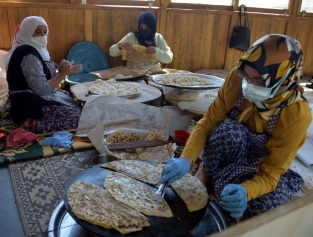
(38, 186)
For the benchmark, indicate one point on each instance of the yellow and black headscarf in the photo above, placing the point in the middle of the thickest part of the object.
(276, 56)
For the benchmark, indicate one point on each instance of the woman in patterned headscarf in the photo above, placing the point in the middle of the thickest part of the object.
(252, 131)
(146, 36)
(35, 100)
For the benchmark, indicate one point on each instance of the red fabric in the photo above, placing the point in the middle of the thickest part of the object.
(20, 136)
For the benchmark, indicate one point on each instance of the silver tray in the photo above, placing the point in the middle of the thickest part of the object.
(61, 223)
(216, 81)
(123, 96)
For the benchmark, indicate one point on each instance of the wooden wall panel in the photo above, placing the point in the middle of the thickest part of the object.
(197, 40)
(5, 39)
(259, 27)
(66, 28)
(303, 33)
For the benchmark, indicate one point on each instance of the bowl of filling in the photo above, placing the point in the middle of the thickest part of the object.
(180, 94)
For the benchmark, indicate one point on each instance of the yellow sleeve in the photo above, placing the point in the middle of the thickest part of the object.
(287, 137)
(227, 96)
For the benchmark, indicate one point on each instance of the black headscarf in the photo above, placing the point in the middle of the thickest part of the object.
(150, 21)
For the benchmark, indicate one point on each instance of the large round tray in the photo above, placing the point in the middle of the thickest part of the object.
(123, 96)
(180, 223)
(61, 224)
(216, 81)
(133, 78)
(89, 55)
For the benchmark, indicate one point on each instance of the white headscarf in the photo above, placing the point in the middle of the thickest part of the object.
(23, 34)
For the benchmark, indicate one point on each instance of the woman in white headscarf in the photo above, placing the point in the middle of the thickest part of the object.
(35, 100)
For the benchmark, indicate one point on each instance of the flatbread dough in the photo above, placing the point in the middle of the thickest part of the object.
(191, 191)
(139, 170)
(157, 154)
(136, 195)
(137, 53)
(97, 206)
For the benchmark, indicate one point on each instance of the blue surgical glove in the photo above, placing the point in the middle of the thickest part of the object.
(234, 200)
(174, 169)
(63, 139)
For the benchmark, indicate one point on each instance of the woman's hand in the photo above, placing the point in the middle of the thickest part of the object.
(174, 169)
(65, 68)
(150, 50)
(234, 200)
(125, 45)
(75, 68)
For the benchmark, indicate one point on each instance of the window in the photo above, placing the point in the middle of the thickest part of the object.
(274, 4)
(207, 2)
(307, 5)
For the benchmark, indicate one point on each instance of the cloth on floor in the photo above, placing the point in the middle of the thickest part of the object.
(63, 139)
(34, 150)
(20, 136)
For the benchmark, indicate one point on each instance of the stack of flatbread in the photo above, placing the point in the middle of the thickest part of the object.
(132, 192)
(97, 206)
(139, 170)
(189, 188)
(124, 200)
(137, 53)
(157, 154)
(120, 136)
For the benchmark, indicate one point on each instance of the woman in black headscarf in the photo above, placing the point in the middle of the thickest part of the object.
(145, 36)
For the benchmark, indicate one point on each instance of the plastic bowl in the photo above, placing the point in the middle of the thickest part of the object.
(80, 78)
(102, 158)
(182, 136)
(180, 119)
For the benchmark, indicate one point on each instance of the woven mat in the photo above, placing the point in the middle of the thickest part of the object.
(38, 187)
(34, 150)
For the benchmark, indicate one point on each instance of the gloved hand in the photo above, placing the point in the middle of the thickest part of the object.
(174, 169)
(234, 200)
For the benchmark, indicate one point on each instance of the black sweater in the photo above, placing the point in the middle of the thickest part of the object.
(25, 104)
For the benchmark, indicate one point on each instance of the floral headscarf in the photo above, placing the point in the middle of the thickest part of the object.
(23, 34)
(279, 60)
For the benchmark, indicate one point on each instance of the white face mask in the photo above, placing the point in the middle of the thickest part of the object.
(40, 41)
(255, 93)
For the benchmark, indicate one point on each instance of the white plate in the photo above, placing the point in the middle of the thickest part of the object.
(216, 82)
(123, 96)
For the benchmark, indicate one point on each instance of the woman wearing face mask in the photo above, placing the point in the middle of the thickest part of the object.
(35, 100)
(252, 131)
(146, 36)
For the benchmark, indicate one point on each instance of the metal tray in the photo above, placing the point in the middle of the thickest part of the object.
(135, 78)
(61, 223)
(216, 81)
(179, 224)
(123, 96)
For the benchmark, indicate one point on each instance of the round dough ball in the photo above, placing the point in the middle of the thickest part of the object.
(98, 81)
(112, 93)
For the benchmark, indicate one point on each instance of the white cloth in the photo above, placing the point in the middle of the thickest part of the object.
(24, 34)
(163, 52)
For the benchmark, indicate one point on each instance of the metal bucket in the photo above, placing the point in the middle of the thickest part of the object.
(102, 158)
